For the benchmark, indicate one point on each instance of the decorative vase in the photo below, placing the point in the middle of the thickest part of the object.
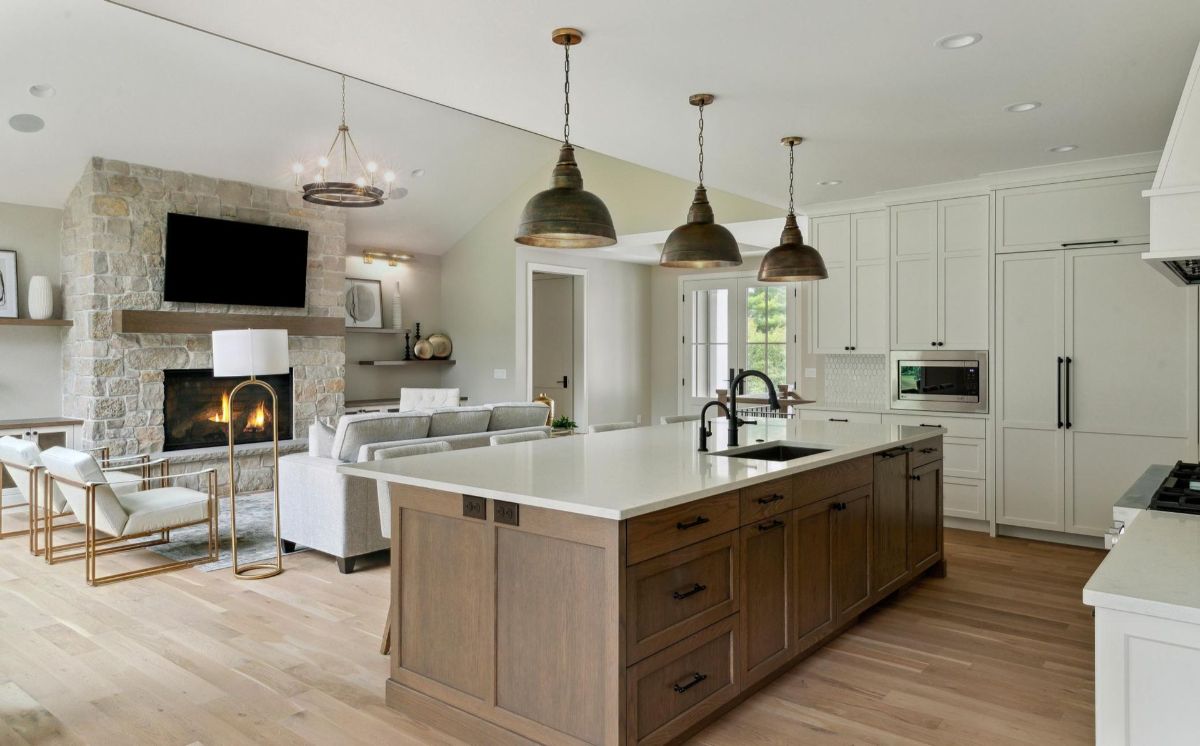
(41, 298)
(397, 319)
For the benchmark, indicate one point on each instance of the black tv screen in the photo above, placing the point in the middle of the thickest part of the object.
(223, 261)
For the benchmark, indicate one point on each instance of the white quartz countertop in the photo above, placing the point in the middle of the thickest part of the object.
(627, 473)
(1154, 569)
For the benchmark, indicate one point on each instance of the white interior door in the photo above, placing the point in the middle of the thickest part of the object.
(1131, 339)
(1030, 448)
(554, 340)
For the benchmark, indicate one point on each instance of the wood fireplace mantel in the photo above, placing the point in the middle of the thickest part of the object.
(184, 322)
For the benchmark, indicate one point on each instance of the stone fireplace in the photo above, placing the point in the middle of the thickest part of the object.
(197, 410)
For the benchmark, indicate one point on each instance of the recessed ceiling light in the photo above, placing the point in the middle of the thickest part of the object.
(958, 41)
(1063, 148)
(26, 123)
(42, 90)
(831, 182)
(418, 172)
(1023, 106)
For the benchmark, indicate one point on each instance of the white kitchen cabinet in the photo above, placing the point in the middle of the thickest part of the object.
(1107, 211)
(831, 415)
(964, 461)
(1096, 377)
(849, 309)
(939, 262)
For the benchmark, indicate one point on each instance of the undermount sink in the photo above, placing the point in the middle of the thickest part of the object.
(773, 451)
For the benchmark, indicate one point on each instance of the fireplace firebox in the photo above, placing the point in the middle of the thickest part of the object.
(196, 409)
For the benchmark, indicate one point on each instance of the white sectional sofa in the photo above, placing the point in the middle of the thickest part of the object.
(338, 515)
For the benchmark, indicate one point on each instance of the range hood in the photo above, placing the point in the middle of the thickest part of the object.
(1175, 193)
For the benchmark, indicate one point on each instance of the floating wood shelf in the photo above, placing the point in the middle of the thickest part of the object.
(182, 322)
(357, 330)
(406, 362)
(36, 322)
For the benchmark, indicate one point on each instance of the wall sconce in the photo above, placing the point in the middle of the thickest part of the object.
(369, 257)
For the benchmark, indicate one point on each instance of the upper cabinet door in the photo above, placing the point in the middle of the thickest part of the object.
(1096, 212)
(869, 282)
(963, 273)
(914, 276)
(831, 327)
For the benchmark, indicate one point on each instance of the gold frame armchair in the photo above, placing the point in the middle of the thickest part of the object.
(118, 521)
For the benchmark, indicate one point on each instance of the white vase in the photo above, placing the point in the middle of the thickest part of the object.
(41, 298)
(397, 320)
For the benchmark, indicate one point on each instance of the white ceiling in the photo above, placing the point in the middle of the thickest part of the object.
(135, 88)
(881, 106)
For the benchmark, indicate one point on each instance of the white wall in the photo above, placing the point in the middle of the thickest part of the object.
(31, 357)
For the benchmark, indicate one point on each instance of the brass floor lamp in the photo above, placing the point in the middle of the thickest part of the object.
(252, 352)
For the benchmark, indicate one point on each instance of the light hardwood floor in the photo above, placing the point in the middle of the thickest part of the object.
(998, 652)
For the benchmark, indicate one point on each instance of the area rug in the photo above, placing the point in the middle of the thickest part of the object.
(256, 535)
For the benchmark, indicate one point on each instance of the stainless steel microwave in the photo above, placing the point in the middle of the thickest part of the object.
(940, 380)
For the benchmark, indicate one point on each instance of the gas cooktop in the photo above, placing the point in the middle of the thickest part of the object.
(1179, 492)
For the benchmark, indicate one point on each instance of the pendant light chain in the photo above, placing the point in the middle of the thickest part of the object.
(566, 94)
(343, 100)
(791, 178)
(700, 140)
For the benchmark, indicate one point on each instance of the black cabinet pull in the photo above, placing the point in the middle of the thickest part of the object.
(928, 450)
(894, 452)
(769, 526)
(700, 521)
(915, 477)
(696, 588)
(853, 348)
(839, 506)
(927, 425)
(838, 419)
(1067, 394)
(768, 499)
(693, 680)
(1109, 242)
(1058, 403)
(846, 348)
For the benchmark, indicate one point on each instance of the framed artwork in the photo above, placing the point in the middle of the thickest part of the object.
(364, 304)
(8, 284)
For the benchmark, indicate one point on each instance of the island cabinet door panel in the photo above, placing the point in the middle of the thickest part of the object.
(674, 689)
(925, 522)
(852, 553)
(814, 612)
(890, 562)
(768, 621)
(673, 595)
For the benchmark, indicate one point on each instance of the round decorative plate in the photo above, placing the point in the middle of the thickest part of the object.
(442, 346)
(423, 350)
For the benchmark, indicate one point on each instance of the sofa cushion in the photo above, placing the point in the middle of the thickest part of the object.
(458, 421)
(356, 430)
(411, 398)
(512, 415)
(320, 439)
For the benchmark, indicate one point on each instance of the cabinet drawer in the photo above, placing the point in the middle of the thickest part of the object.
(660, 532)
(959, 427)
(836, 416)
(965, 457)
(1054, 216)
(673, 595)
(763, 500)
(813, 486)
(924, 452)
(672, 690)
(964, 498)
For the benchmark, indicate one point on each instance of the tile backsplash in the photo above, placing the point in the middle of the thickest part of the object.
(856, 380)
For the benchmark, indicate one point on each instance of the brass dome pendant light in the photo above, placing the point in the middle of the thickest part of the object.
(792, 260)
(565, 216)
(700, 242)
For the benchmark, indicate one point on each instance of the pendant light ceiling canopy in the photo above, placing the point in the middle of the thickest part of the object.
(792, 260)
(700, 242)
(565, 216)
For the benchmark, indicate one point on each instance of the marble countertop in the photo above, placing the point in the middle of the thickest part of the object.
(627, 473)
(1154, 569)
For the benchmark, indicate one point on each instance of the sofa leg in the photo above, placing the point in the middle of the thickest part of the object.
(346, 565)
(287, 546)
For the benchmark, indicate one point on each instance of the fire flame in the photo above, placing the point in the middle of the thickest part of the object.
(255, 422)
(258, 418)
(222, 416)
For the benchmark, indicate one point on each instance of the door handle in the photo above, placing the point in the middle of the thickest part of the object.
(1067, 394)
(564, 382)
(1058, 405)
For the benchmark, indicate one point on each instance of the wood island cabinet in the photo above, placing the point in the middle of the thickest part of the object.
(564, 628)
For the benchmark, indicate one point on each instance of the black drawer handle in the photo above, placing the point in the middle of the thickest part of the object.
(926, 425)
(768, 499)
(838, 419)
(838, 506)
(915, 477)
(894, 452)
(929, 450)
(693, 680)
(700, 521)
(1111, 241)
(696, 588)
(769, 526)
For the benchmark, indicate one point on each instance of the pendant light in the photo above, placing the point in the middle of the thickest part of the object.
(792, 260)
(349, 183)
(700, 242)
(565, 216)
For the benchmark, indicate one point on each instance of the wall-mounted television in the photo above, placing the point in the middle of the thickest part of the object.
(223, 261)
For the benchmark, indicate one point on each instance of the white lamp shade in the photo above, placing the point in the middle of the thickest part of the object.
(250, 352)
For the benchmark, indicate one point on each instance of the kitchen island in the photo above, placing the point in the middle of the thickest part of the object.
(622, 588)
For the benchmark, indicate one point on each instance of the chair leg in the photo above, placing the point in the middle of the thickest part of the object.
(346, 565)
(385, 647)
